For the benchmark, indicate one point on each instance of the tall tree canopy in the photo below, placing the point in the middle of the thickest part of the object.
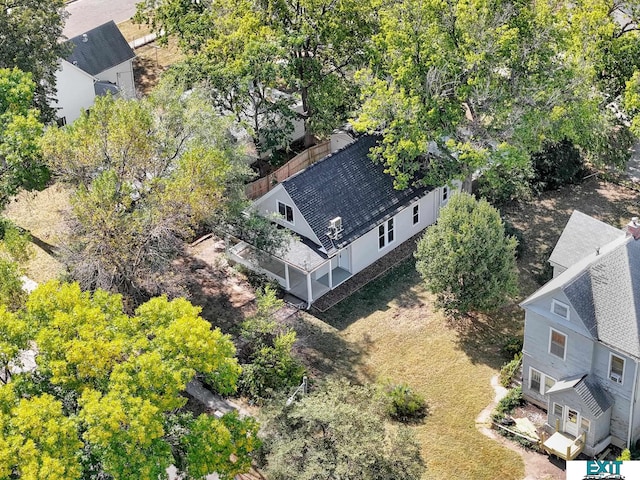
(338, 431)
(21, 163)
(31, 30)
(147, 173)
(105, 397)
(466, 259)
(485, 80)
(309, 47)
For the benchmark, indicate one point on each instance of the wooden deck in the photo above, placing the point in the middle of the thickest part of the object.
(564, 446)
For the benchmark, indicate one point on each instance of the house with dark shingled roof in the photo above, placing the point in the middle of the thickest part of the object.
(345, 214)
(100, 62)
(581, 350)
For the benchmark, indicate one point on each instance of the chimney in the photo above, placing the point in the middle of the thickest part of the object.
(85, 38)
(633, 228)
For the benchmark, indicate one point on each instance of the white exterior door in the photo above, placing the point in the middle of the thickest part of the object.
(344, 259)
(571, 421)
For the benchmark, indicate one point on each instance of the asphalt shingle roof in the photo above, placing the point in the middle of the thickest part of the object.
(582, 236)
(347, 184)
(589, 391)
(105, 47)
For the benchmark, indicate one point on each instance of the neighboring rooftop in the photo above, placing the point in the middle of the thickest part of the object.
(582, 236)
(99, 49)
(347, 184)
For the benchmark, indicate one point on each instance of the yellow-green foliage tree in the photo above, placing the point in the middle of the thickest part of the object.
(105, 397)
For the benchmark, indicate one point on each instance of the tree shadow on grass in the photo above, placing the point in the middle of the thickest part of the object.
(395, 285)
(483, 336)
(225, 299)
(325, 353)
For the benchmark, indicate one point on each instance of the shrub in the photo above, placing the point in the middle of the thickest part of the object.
(625, 455)
(505, 406)
(511, 231)
(406, 405)
(510, 369)
(511, 347)
(557, 164)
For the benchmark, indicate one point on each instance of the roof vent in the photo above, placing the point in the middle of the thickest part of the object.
(335, 228)
(85, 38)
(633, 228)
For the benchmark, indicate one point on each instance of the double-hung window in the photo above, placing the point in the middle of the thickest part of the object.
(445, 194)
(416, 213)
(386, 233)
(558, 344)
(540, 382)
(285, 211)
(616, 368)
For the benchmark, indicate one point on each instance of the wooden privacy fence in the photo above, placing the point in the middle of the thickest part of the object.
(299, 162)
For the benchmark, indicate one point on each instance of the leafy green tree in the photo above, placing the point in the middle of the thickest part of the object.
(466, 259)
(105, 396)
(21, 165)
(148, 173)
(308, 47)
(337, 431)
(31, 33)
(268, 364)
(484, 81)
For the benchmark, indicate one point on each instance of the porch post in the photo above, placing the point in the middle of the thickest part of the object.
(286, 276)
(309, 290)
(330, 275)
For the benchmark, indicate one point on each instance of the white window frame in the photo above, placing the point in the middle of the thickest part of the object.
(415, 213)
(611, 373)
(542, 389)
(386, 233)
(561, 410)
(284, 216)
(445, 194)
(555, 303)
(566, 341)
(582, 422)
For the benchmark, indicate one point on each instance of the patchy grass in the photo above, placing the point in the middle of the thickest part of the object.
(151, 59)
(391, 334)
(42, 214)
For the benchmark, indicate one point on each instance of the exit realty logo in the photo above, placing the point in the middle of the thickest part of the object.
(603, 470)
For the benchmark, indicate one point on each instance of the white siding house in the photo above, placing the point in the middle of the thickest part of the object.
(346, 215)
(582, 336)
(100, 62)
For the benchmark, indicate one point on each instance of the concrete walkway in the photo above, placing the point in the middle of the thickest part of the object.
(537, 466)
(213, 402)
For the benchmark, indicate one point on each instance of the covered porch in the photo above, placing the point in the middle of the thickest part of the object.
(303, 271)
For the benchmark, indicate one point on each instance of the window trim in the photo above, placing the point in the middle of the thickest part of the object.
(385, 230)
(284, 216)
(542, 390)
(561, 409)
(555, 302)
(566, 340)
(415, 213)
(445, 194)
(582, 421)
(611, 355)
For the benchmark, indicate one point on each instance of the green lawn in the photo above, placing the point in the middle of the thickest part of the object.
(390, 333)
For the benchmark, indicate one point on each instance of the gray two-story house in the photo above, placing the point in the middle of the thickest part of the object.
(582, 335)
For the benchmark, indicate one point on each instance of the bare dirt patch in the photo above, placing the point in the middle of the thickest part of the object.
(542, 220)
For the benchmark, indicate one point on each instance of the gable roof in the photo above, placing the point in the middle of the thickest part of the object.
(99, 49)
(350, 185)
(588, 390)
(582, 236)
(604, 289)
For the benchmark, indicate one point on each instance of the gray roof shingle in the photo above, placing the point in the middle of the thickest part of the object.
(588, 390)
(582, 236)
(105, 47)
(347, 184)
